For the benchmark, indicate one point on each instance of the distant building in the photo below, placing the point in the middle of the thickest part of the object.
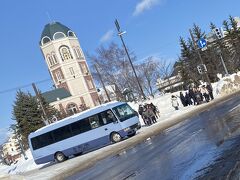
(11, 151)
(171, 84)
(111, 90)
(75, 88)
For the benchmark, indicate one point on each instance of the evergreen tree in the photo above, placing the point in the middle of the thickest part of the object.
(226, 26)
(186, 62)
(212, 26)
(27, 115)
(197, 32)
(51, 112)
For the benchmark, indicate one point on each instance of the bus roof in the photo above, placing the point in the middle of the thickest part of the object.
(75, 117)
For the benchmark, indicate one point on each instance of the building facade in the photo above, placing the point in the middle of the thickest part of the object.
(170, 84)
(11, 151)
(68, 69)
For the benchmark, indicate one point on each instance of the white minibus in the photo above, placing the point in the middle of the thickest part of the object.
(83, 132)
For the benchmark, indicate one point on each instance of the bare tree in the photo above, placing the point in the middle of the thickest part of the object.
(115, 68)
(148, 73)
(165, 69)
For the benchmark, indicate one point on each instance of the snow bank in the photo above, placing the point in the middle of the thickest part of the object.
(21, 166)
(227, 84)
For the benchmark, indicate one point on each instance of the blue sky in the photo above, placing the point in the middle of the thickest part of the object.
(153, 28)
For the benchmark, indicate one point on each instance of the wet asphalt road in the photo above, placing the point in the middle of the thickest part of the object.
(206, 146)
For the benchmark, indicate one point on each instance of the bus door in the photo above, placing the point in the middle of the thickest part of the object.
(110, 122)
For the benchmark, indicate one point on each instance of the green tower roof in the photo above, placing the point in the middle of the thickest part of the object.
(51, 28)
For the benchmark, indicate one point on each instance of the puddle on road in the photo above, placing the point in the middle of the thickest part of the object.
(221, 129)
(225, 133)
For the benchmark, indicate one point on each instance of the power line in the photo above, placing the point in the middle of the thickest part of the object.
(23, 86)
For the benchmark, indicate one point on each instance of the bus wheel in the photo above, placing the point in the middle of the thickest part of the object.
(60, 157)
(115, 137)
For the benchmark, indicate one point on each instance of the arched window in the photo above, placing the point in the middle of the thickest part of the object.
(72, 108)
(71, 34)
(45, 40)
(50, 60)
(54, 57)
(79, 52)
(65, 53)
(58, 35)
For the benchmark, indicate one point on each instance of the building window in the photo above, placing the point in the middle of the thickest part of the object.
(59, 75)
(84, 68)
(45, 40)
(76, 54)
(90, 84)
(71, 71)
(72, 109)
(50, 60)
(71, 34)
(58, 35)
(65, 53)
(79, 52)
(54, 57)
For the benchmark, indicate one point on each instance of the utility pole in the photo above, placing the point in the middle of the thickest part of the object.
(200, 57)
(224, 66)
(41, 104)
(120, 33)
(100, 77)
(220, 35)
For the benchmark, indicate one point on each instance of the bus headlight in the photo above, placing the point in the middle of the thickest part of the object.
(127, 129)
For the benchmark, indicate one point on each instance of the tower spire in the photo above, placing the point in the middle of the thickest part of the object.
(49, 17)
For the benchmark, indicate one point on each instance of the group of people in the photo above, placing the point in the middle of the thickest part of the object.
(197, 95)
(149, 113)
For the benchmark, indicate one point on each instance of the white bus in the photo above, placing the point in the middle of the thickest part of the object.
(83, 132)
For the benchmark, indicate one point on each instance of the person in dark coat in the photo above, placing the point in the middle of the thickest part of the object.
(151, 114)
(183, 99)
(210, 91)
(188, 99)
(192, 95)
(146, 115)
(154, 109)
(140, 110)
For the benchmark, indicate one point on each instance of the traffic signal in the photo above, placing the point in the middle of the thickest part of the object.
(199, 68)
(218, 33)
(202, 68)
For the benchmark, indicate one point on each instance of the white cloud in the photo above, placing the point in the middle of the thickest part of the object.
(144, 5)
(107, 36)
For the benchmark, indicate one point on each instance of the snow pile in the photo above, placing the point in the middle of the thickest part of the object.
(227, 84)
(21, 166)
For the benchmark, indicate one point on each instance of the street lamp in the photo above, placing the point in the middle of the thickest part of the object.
(120, 33)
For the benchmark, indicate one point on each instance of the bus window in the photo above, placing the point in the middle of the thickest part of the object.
(42, 140)
(94, 121)
(62, 133)
(108, 117)
(124, 112)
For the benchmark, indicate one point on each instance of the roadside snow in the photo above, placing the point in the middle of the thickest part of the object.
(222, 87)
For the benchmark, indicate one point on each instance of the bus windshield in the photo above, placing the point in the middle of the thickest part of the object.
(124, 112)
